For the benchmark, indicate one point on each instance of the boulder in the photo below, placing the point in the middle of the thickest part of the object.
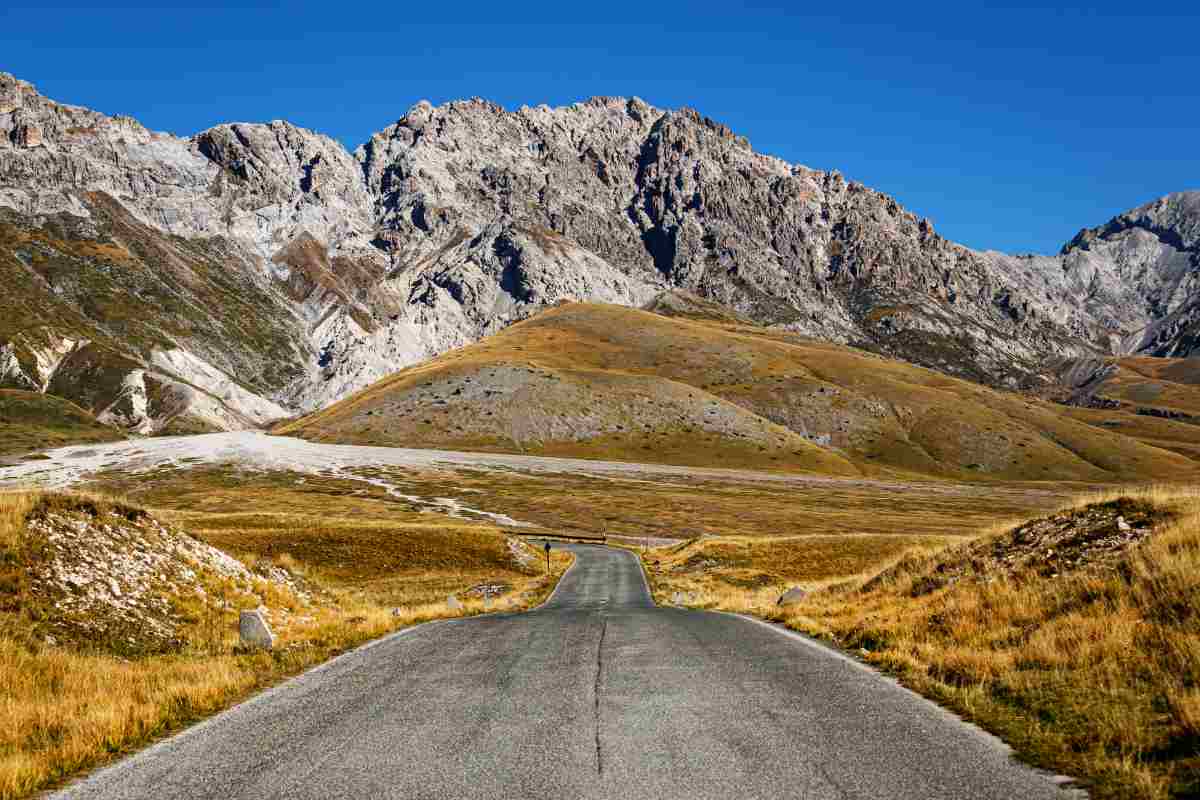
(792, 597)
(1122, 525)
(453, 603)
(255, 634)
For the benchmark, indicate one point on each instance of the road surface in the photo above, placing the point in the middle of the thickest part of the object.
(597, 694)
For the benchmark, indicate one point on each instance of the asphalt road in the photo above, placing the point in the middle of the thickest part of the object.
(597, 694)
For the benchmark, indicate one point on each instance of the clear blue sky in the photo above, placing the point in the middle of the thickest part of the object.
(1010, 125)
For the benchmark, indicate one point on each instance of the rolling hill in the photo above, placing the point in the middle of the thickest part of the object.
(695, 385)
(31, 421)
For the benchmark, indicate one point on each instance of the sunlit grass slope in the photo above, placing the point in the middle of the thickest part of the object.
(1072, 636)
(608, 382)
(33, 421)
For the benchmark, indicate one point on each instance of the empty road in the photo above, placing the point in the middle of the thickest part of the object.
(597, 694)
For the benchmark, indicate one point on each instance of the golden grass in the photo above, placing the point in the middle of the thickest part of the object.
(1176, 436)
(63, 709)
(1165, 383)
(720, 571)
(685, 507)
(632, 504)
(1094, 673)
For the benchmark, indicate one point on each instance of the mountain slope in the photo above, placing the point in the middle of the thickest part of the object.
(603, 381)
(259, 269)
(31, 421)
(1168, 388)
(1155, 400)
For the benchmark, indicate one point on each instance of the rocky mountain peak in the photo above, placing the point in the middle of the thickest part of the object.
(1174, 219)
(13, 92)
(461, 218)
(1144, 265)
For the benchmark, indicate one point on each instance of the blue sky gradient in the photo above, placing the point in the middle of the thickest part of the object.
(1009, 125)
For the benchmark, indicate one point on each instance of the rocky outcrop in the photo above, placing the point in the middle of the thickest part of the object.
(115, 578)
(792, 597)
(301, 272)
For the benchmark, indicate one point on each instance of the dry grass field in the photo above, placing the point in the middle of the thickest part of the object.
(1074, 638)
(1178, 437)
(1153, 400)
(687, 507)
(77, 690)
(608, 382)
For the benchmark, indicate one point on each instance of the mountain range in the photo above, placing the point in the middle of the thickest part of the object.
(254, 272)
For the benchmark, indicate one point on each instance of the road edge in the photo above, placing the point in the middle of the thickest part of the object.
(261, 696)
(557, 586)
(1070, 786)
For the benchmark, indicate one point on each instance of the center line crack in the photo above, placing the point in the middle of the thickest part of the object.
(596, 693)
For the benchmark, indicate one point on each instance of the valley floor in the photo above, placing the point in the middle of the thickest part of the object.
(531, 494)
(390, 526)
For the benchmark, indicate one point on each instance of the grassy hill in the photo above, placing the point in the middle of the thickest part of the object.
(33, 421)
(698, 388)
(1154, 400)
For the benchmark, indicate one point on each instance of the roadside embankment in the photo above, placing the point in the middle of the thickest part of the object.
(1075, 636)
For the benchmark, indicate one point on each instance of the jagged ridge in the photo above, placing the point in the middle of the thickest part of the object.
(280, 272)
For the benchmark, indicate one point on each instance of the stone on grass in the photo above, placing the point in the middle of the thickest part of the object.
(792, 597)
(453, 603)
(1122, 525)
(255, 634)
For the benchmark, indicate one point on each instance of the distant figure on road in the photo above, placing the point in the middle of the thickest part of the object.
(547, 555)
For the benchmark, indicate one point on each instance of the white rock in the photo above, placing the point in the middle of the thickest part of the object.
(255, 634)
(453, 603)
(792, 597)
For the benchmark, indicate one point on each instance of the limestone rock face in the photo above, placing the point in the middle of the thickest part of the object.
(27, 135)
(1141, 271)
(262, 269)
(11, 91)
